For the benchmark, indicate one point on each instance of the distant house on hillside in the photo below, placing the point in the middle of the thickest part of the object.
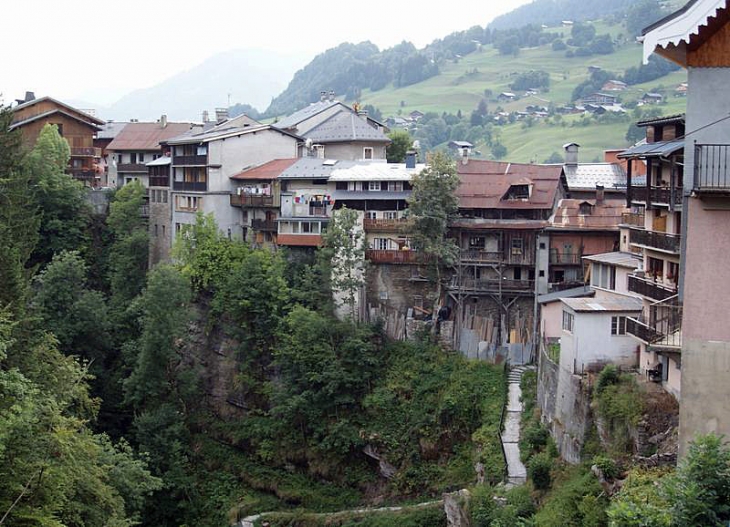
(506, 96)
(614, 85)
(600, 98)
(415, 115)
(593, 69)
(681, 90)
(652, 98)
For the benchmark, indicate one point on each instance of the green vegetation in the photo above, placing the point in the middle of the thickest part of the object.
(619, 403)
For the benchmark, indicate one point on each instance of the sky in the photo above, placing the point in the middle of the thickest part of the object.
(99, 50)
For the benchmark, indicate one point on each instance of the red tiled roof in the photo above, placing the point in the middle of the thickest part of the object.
(146, 136)
(484, 184)
(269, 170)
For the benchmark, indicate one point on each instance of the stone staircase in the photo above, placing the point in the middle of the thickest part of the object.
(516, 471)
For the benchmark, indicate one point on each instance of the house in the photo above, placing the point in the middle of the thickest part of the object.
(104, 137)
(652, 230)
(600, 98)
(614, 85)
(135, 145)
(695, 37)
(585, 178)
(506, 96)
(551, 312)
(611, 271)
(652, 98)
(681, 90)
(461, 149)
(76, 126)
(159, 207)
(503, 264)
(416, 115)
(593, 68)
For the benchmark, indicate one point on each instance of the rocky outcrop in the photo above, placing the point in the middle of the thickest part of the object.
(455, 507)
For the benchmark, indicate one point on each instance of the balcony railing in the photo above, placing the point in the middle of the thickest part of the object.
(565, 258)
(190, 160)
(393, 256)
(650, 289)
(263, 225)
(711, 174)
(656, 240)
(188, 186)
(82, 173)
(492, 285)
(480, 256)
(663, 329)
(159, 181)
(249, 200)
(132, 167)
(85, 151)
(385, 225)
(659, 195)
(567, 284)
(632, 218)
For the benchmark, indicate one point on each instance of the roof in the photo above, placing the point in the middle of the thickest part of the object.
(110, 129)
(221, 132)
(619, 259)
(85, 116)
(604, 216)
(484, 184)
(160, 161)
(345, 126)
(596, 305)
(585, 176)
(70, 115)
(576, 292)
(666, 119)
(309, 168)
(658, 149)
(678, 28)
(305, 113)
(373, 171)
(146, 136)
(486, 225)
(266, 171)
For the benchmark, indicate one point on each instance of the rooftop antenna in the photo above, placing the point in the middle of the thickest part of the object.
(229, 100)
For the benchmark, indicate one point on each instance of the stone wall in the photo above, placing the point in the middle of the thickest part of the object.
(160, 231)
(396, 287)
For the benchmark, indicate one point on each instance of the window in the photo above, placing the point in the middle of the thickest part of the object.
(618, 325)
(374, 185)
(418, 301)
(395, 186)
(188, 203)
(542, 274)
(133, 157)
(60, 128)
(568, 321)
(141, 157)
(380, 244)
(477, 242)
(371, 215)
(516, 245)
(517, 192)
(164, 196)
(390, 215)
(319, 151)
(177, 228)
(341, 185)
(155, 230)
(367, 152)
(163, 231)
(542, 245)
(585, 208)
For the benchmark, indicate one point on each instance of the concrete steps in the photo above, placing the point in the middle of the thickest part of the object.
(516, 470)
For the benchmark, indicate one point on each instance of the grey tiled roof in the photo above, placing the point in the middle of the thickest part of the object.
(109, 130)
(620, 259)
(588, 175)
(345, 126)
(305, 113)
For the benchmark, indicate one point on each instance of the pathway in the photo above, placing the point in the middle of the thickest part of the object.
(516, 471)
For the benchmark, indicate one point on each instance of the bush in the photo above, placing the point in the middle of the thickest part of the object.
(481, 507)
(539, 470)
(608, 466)
(609, 376)
(534, 439)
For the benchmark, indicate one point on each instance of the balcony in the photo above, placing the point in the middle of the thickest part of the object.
(659, 195)
(565, 258)
(385, 225)
(159, 181)
(82, 173)
(492, 285)
(264, 225)
(656, 240)
(632, 218)
(190, 160)
(250, 200)
(393, 256)
(478, 256)
(650, 289)
(190, 186)
(711, 175)
(662, 331)
(132, 167)
(85, 151)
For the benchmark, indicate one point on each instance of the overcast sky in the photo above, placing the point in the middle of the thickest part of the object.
(99, 50)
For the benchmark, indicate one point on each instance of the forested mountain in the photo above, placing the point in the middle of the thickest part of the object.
(553, 12)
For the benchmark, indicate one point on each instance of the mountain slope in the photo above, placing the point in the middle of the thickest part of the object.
(248, 75)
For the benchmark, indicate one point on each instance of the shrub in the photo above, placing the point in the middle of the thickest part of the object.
(609, 376)
(539, 471)
(608, 466)
(481, 507)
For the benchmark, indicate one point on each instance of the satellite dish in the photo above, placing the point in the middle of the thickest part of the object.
(308, 143)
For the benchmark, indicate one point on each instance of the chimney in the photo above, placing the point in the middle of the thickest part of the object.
(206, 117)
(411, 159)
(29, 96)
(363, 114)
(322, 96)
(571, 154)
(600, 194)
(221, 114)
(465, 151)
(163, 121)
(331, 96)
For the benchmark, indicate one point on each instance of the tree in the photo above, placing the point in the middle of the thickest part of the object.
(432, 205)
(499, 151)
(345, 243)
(401, 143)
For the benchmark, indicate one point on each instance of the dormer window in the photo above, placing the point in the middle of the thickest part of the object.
(517, 192)
(585, 208)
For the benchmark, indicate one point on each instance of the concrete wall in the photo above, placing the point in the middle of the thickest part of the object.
(542, 264)
(160, 225)
(551, 320)
(649, 360)
(590, 243)
(353, 151)
(303, 189)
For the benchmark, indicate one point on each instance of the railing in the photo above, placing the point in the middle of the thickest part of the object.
(711, 172)
(386, 225)
(565, 258)
(632, 218)
(188, 186)
(568, 284)
(650, 289)
(82, 173)
(159, 181)
(393, 257)
(659, 195)
(480, 256)
(263, 225)
(662, 330)
(85, 151)
(251, 200)
(491, 284)
(656, 240)
(132, 167)
(190, 160)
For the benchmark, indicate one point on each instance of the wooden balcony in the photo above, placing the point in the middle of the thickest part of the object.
(658, 195)
(712, 169)
(264, 225)
(393, 257)
(132, 167)
(384, 225)
(478, 256)
(650, 289)
(83, 173)
(190, 186)
(253, 201)
(299, 240)
(661, 241)
(632, 218)
(159, 181)
(85, 151)
(492, 285)
(565, 258)
(190, 160)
